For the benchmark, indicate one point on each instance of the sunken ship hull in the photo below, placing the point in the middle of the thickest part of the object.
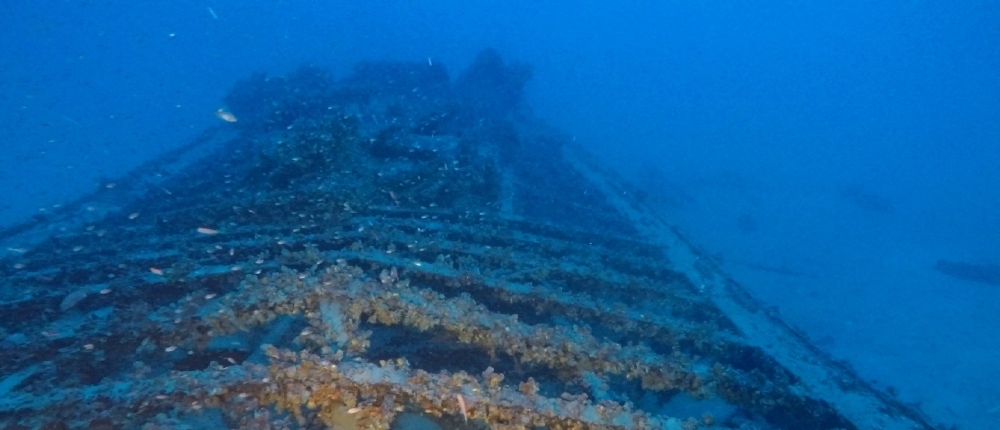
(393, 249)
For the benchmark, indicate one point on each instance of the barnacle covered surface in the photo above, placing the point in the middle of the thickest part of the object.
(386, 248)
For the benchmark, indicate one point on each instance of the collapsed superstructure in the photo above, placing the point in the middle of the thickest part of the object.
(393, 249)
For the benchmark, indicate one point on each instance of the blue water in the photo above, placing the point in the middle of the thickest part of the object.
(830, 154)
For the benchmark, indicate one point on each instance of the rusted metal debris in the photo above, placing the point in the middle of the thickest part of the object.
(393, 244)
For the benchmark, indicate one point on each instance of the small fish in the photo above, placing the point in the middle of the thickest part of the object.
(72, 299)
(206, 230)
(156, 271)
(225, 115)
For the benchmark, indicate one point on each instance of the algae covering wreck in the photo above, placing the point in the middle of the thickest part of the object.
(393, 249)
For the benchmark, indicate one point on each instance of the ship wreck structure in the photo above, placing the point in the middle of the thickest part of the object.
(395, 248)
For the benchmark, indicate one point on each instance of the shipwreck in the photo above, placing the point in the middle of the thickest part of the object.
(393, 249)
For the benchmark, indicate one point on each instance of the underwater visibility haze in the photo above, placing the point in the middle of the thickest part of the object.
(678, 215)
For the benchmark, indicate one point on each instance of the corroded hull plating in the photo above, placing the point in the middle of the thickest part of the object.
(392, 245)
